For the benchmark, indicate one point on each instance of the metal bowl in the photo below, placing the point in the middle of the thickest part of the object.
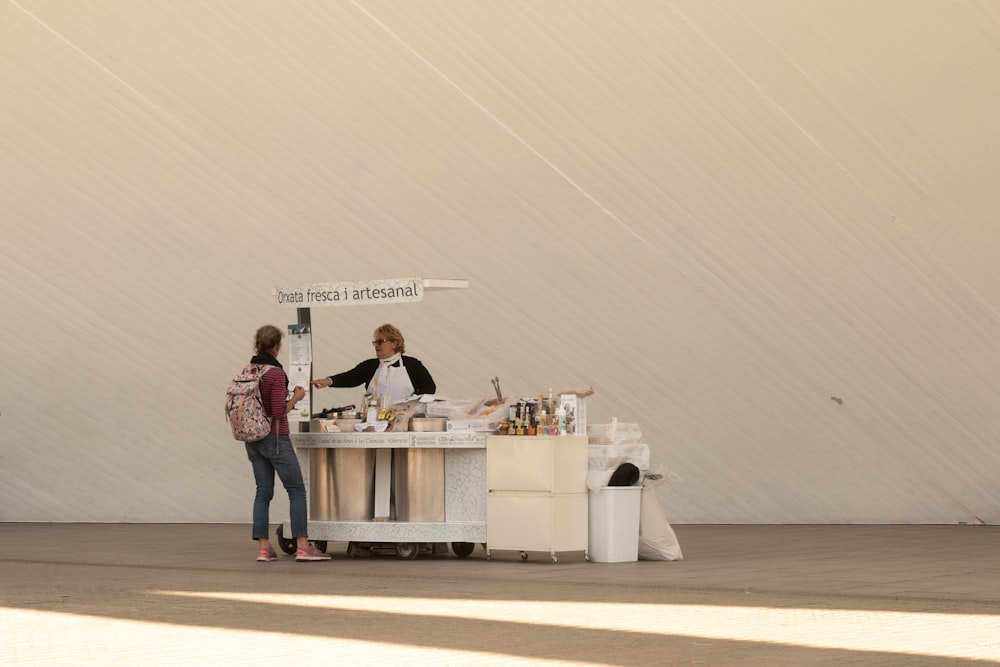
(429, 424)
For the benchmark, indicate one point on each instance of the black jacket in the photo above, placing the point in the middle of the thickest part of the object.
(361, 374)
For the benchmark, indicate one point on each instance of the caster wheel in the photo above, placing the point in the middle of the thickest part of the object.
(524, 555)
(288, 546)
(356, 550)
(555, 559)
(586, 557)
(407, 550)
(462, 549)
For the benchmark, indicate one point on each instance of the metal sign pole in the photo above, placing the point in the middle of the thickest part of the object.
(305, 317)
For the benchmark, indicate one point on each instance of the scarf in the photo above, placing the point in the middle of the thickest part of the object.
(265, 358)
(380, 383)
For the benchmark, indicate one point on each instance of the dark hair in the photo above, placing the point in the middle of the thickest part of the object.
(393, 334)
(267, 337)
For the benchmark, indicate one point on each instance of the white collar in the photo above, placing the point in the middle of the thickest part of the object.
(389, 361)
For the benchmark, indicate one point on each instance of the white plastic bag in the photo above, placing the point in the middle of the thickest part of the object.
(609, 457)
(598, 479)
(657, 540)
(603, 460)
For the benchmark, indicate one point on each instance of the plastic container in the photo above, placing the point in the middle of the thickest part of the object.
(615, 433)
(613, 535)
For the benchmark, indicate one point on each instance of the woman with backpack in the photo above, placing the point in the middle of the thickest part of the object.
(274, 454)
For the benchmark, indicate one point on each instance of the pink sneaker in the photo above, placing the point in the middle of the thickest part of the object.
(310, 553)
(266, 554)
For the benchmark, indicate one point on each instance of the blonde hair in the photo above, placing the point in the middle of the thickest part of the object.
(393, 334)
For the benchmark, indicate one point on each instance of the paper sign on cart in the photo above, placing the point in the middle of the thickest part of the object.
(298, 376)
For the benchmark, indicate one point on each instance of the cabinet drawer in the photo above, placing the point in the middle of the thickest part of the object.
(530, 463)
(536, 521)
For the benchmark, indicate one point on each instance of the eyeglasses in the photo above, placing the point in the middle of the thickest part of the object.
(379, 341)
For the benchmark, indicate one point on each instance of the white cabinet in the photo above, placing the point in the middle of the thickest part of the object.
(537, 494)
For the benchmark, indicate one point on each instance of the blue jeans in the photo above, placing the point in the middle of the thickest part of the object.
(274, 454)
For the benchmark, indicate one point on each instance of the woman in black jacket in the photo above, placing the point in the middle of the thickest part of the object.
(390, 372)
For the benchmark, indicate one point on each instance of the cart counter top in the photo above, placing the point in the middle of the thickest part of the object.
(444, 440)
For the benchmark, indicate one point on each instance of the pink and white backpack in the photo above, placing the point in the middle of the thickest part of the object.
(244, 406)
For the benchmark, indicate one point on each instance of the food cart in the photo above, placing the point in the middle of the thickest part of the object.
(437, 488)
(405, 492)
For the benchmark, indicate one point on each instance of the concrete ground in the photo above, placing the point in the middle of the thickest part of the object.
(168, 594)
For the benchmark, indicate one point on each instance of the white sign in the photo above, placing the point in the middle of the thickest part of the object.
(298, 376)
(361, 293)
(300, 368)
(299, 344)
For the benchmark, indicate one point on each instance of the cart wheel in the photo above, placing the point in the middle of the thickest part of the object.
(555, 559)
(407, 550)
(359, 550)
(586, 557)
(462, 549)
(288, 546)
(320, 544)
(524, 555)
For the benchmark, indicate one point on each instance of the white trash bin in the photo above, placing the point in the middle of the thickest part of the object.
(614, 524)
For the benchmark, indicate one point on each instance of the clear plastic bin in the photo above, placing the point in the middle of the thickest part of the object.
(615, 433)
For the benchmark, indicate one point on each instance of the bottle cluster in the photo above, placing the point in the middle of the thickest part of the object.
(537, 416)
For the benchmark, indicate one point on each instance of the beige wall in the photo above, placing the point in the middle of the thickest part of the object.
(766, 232)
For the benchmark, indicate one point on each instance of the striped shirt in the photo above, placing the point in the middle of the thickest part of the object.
(273, 392)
